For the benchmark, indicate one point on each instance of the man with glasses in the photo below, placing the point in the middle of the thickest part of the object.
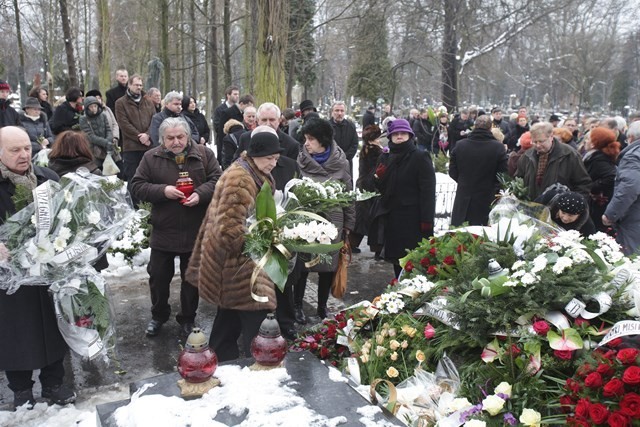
(551, 162)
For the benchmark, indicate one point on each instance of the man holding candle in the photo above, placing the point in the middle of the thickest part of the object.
(175, 216)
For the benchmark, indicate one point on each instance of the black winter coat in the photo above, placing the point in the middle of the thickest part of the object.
(368, 159)
(115, 93)
(602, 170)
(408, 200)
(8, 115)
(426, 134)
(457, 126)
(65, 117)
(346, 136)
(230, 144)
(201, 123)
(158, 118)
(28, 328)
(368, 118)
(35, 129)
(514, 135)
(474, 165)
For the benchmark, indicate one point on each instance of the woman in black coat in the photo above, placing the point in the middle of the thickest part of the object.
(42, 95)
(368, 159)
(190, 109)
(601, 166)
(406, 179)
(425, 133)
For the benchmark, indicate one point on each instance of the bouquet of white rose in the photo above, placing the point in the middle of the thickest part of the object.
(68, 225)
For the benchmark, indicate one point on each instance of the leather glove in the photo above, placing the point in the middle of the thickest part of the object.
(381, 170)
(426, 228)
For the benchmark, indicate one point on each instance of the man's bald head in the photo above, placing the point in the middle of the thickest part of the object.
(15, 149)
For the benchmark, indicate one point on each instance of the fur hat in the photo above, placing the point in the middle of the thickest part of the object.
(32, 103)
(571, 203)
(399, 125)
(371, 133)
(525, 140)
(229, 124)
(4, 85)
(307, 104)
(264, 144)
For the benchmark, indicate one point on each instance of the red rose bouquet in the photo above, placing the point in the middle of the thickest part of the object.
(605, 390)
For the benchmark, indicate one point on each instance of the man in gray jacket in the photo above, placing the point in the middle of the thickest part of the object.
(623, 211)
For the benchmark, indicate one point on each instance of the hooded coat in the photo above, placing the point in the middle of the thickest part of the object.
(36, 129)
(336, 167)
(602, 170)
(475, 164)
(218, 267)
(96, 127)
(28, 328)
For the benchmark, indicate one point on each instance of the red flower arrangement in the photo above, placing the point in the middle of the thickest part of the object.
(605, 390)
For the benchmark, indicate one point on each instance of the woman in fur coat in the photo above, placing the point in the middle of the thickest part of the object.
(218, 266)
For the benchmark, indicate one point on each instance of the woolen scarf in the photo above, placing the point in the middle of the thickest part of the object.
(259, 178)
(543, 160)
(28, 180)
(322, 157)
(398, 156)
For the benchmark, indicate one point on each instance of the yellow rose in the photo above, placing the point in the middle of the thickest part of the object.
(393, 345)
(409, 330)
(493, 404)
(530, 417)
(394, 356)
(420, 357)
(364, 358)
(384, 332)
(392, 372)
(404, 344)
(392, 332)
(380, 351)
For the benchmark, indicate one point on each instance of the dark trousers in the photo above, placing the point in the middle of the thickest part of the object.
(161, 270)
(228, 326)
(50, 376)
(324, 287)
(284, 309)
(130, 162)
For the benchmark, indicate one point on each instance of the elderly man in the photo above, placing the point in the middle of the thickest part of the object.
(623, 211)
(477, 186)
(250, 119)
(176, 216)
(459, 128)
(344, 132)
(156, 97)
(269, 115)
(28, 326)
(551, 162)
(119, 90)
(172, 108)
(134, 113)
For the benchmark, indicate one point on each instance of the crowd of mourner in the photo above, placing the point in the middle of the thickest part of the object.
(585, 169)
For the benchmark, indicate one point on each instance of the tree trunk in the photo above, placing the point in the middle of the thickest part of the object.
(226, 37)
(21, 81)
(273, 30)
(102, 43)
(213, 59)
(68, 44)
(194, 51)
(164, 46)
(449, 61)
(250, 45)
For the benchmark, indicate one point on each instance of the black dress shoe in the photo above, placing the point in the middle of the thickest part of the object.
(290, 334)
(356, 250)
(153, 328)
(23, 397)
(59, 394)
(298, 314)
(323, 313)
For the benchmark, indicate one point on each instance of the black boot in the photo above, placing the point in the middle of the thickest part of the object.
(59, 394)
(323, 313)
(23, 397)
(301, 319)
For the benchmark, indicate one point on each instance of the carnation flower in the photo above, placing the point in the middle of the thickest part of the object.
(529, 279)
(64, 233)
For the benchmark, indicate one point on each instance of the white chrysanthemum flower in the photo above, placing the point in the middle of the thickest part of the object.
(34, 221)
(529, 279)
(580, 256)
(510, 284)
(518, 265)
(59, 244)
(94, 217)
(64, 233)
(518, 273)
(539, 263)
(562, 264)
(64, 216)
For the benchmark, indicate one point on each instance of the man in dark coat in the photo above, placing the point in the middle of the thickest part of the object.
(28, 328)
(475, 163)
(459, 128)
(176, 216)
(269, 115)
(369, 117)
(66, 116)
(499, 122)
(119, 90)
(236, 111)
(172, 108)
(344, 133)
(8, 115)
(232, 94)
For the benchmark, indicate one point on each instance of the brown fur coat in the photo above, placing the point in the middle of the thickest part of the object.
(218, 267)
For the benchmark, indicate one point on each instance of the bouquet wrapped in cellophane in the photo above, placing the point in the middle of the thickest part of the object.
(69, 225)
(320, 197)
(85, 314)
